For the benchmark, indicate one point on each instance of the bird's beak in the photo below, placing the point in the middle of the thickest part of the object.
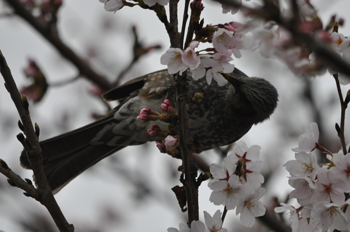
(236, 82)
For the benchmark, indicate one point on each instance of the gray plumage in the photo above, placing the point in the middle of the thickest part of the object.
(225, 115)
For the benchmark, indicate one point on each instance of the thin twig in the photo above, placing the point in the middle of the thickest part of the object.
(184, 21)
(44, 194)
(342, 115)
(64, 82)
(224, 215)
(18, 181)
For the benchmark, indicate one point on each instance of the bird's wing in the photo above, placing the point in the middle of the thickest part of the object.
(126, 89)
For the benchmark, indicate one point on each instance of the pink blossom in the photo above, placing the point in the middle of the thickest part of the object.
(233, 26)
(223, 40)
(171, 142)
(329, 188)
(189, 56)
(173, 58)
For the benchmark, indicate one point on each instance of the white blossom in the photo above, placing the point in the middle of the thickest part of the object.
(304, 165)
(226, 192)
(249, 206)
(214, 224)
(173, 58)
(307, 141)
(330, 216)
(153, 2)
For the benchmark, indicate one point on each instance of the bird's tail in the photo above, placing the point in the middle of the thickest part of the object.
(68, 155)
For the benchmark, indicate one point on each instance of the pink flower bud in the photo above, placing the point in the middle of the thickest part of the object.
(161, 147)
(165, 105)
(171, 110)
(147, 115)
(155, 131)
(171, 142)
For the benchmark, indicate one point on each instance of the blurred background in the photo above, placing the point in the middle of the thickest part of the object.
(131, 190)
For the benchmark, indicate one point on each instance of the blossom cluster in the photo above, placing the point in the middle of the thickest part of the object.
(210, 62)
(270, 39)
(236, 183)
(320, 190)
(167, 140)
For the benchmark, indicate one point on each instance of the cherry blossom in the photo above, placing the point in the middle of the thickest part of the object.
(223, 40)
(330, 215)
(214, 224)
(304, 165)
(293, 214)
(170, 142)
(329, 188)
(196, 226)
(173, 58)
(189, 56)
(342, 168)
(308, 141)
(307, 224)
(249, 206)
(226, 192)
(153, 2)
(214, 73)
(303, 191)
(112, 5)
(249, 159)
(339, 42)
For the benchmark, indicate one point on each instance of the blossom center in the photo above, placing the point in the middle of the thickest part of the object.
(347, 171)
(307, 167)
(249, 204)
(327, 189)
(228, 191)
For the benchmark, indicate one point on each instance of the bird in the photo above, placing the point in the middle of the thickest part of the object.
(224, 115)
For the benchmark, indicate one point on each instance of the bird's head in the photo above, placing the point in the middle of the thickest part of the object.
(254, 96)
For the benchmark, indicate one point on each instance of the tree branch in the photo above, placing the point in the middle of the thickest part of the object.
(322, 50)
(341, 130)
(43, 192)
(53, 38)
